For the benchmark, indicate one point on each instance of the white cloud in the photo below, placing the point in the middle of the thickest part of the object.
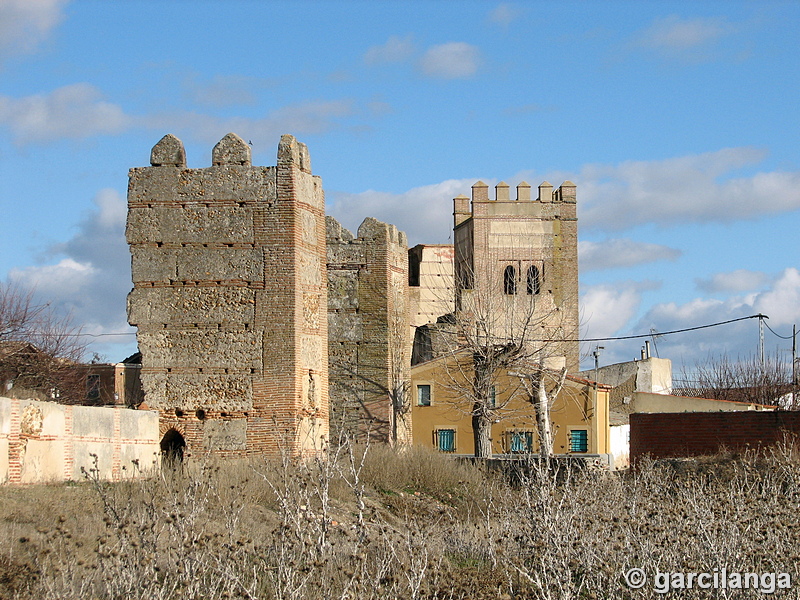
(608, 308)
(425, 213)
(396, 49)
(622, 252)
(79, 111)
(67, 277)
(684, 39)
(89, 275)
(453, 60)
(780, 302)
(674, 32)
(306, 118)
(505, 13)
(222, 90)
(73, 111)
(740, 280)
(695, 188)
(24, 24)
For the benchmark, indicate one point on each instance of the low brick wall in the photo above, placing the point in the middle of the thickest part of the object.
(45, 442)
(668, 435)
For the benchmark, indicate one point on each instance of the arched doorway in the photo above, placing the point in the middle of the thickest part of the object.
(172, 447)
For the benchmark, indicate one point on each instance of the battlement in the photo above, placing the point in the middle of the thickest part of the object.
(370, 230)
(480, 193)
(367, 327)
(481, 205)
(230, 295)
(231, 150)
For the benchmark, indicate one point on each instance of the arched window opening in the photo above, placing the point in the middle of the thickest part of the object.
(510, 280)
(172, 447)
(534, 280)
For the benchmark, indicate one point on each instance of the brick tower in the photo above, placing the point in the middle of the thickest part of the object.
(516, 263)
(230, 298)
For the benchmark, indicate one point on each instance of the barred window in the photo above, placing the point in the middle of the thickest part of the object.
(521, 441)
(446, 440)
(579, 440)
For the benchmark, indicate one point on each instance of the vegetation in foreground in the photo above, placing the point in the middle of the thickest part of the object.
(378, 524)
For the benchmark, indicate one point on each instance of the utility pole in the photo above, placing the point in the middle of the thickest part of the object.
(794, 366)
(596, 354)
(761, 338)
(794, 354)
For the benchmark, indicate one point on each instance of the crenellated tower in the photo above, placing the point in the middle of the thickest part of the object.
(516, 261)
(230, 298)
(369, 334)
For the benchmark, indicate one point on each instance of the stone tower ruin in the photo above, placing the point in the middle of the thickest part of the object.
(369, 333)
(230, 298)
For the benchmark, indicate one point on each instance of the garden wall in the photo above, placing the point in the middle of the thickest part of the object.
(46, 442)
(666, 435)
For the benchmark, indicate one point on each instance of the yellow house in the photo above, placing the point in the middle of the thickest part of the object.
(441, 417)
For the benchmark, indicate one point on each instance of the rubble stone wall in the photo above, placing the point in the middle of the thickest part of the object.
(229, 297)
(368, 331)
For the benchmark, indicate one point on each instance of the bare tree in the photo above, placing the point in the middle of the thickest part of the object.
(747, 379)
(502, 349)
(38, 348)
(542, 397)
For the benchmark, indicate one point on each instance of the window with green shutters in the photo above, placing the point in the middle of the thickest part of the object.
(579, 440)
(521, 441)
(446, 440)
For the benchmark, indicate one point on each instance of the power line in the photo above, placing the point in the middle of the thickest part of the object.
(600, 339)
(646, 335)
(73, 335)
(783, 337)
(96, 335)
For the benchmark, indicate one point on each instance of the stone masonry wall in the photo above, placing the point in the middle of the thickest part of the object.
(368, 331)
(229, 293)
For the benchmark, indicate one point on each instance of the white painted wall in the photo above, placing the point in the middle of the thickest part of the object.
(619, 445)
(46, 441)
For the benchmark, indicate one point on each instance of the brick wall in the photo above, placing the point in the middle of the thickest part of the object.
(521, 234)
(663, 435)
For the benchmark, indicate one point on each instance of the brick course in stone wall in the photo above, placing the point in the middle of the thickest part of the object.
(230, 297)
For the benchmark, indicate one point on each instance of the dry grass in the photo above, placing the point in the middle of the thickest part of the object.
(378, 524)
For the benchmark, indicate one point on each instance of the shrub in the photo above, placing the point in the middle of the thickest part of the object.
(375, 523)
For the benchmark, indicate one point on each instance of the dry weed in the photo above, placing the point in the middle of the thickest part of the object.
(374, 523)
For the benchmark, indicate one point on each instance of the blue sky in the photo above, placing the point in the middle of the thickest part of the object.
(678, 122)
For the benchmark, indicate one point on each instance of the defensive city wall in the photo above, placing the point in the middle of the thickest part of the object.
(264, 327)
(230, 298)
(369, 341)
(45, 441)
